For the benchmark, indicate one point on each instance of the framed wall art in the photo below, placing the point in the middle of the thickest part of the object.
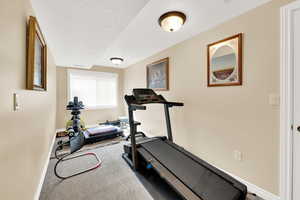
(36, 57)
(224, 62)
(158, 75)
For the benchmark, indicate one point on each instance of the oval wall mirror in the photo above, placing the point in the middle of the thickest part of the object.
(223, 62)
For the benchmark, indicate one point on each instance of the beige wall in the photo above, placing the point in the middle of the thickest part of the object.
(91, 117)
(216, 121)
(26, 135)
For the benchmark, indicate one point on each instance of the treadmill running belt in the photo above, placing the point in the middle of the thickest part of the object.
(201, 180)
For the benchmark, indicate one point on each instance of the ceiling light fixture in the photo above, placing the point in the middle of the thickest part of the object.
(116, 60)
(172, 21)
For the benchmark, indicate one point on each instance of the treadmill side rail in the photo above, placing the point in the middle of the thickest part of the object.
(164, 173)
(220, 173)
(201, 178)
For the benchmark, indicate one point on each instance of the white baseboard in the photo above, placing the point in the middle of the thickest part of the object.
(43, 175)
(254, 188)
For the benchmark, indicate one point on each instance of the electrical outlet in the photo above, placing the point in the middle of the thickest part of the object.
(274, 99)
(238, 155)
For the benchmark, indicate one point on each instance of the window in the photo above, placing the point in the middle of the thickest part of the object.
(95, 89)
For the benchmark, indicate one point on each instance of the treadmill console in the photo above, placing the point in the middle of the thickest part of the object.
(144, 96)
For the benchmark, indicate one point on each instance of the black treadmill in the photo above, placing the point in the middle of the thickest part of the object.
(191, 177)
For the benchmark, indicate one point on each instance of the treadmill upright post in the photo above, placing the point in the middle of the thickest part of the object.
(133, 142)
(169, 128)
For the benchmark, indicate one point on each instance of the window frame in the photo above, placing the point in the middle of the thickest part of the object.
(93, 74)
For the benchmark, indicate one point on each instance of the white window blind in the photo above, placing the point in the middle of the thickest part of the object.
(94, 89)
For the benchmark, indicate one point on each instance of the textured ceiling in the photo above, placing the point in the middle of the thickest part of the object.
(83, 33)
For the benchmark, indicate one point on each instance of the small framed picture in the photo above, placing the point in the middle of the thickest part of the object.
(158, 75)
(36, 57)
(224, 62)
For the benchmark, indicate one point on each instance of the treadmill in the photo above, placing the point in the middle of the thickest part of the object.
(191, 177)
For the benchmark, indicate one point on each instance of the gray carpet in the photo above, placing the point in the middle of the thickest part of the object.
(114, 180)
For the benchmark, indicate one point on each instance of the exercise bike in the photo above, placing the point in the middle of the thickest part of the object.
(76, 140)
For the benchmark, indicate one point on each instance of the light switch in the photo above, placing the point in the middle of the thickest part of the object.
(16, 102)
(274, 99)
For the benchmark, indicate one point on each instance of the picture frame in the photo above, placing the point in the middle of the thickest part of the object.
(36, 69)
(224, 62)
(158, 75)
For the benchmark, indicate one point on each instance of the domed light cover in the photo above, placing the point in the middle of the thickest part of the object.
(172, 21)
(116, 60)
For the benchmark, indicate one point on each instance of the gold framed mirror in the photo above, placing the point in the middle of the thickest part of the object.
(224, 62)
(36, 57)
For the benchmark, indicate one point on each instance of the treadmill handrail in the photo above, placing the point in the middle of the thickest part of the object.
(167, 103)
(137, 107)
(174, 103)
(134, 103)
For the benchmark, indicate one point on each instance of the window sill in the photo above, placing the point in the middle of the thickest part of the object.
(99, 107)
